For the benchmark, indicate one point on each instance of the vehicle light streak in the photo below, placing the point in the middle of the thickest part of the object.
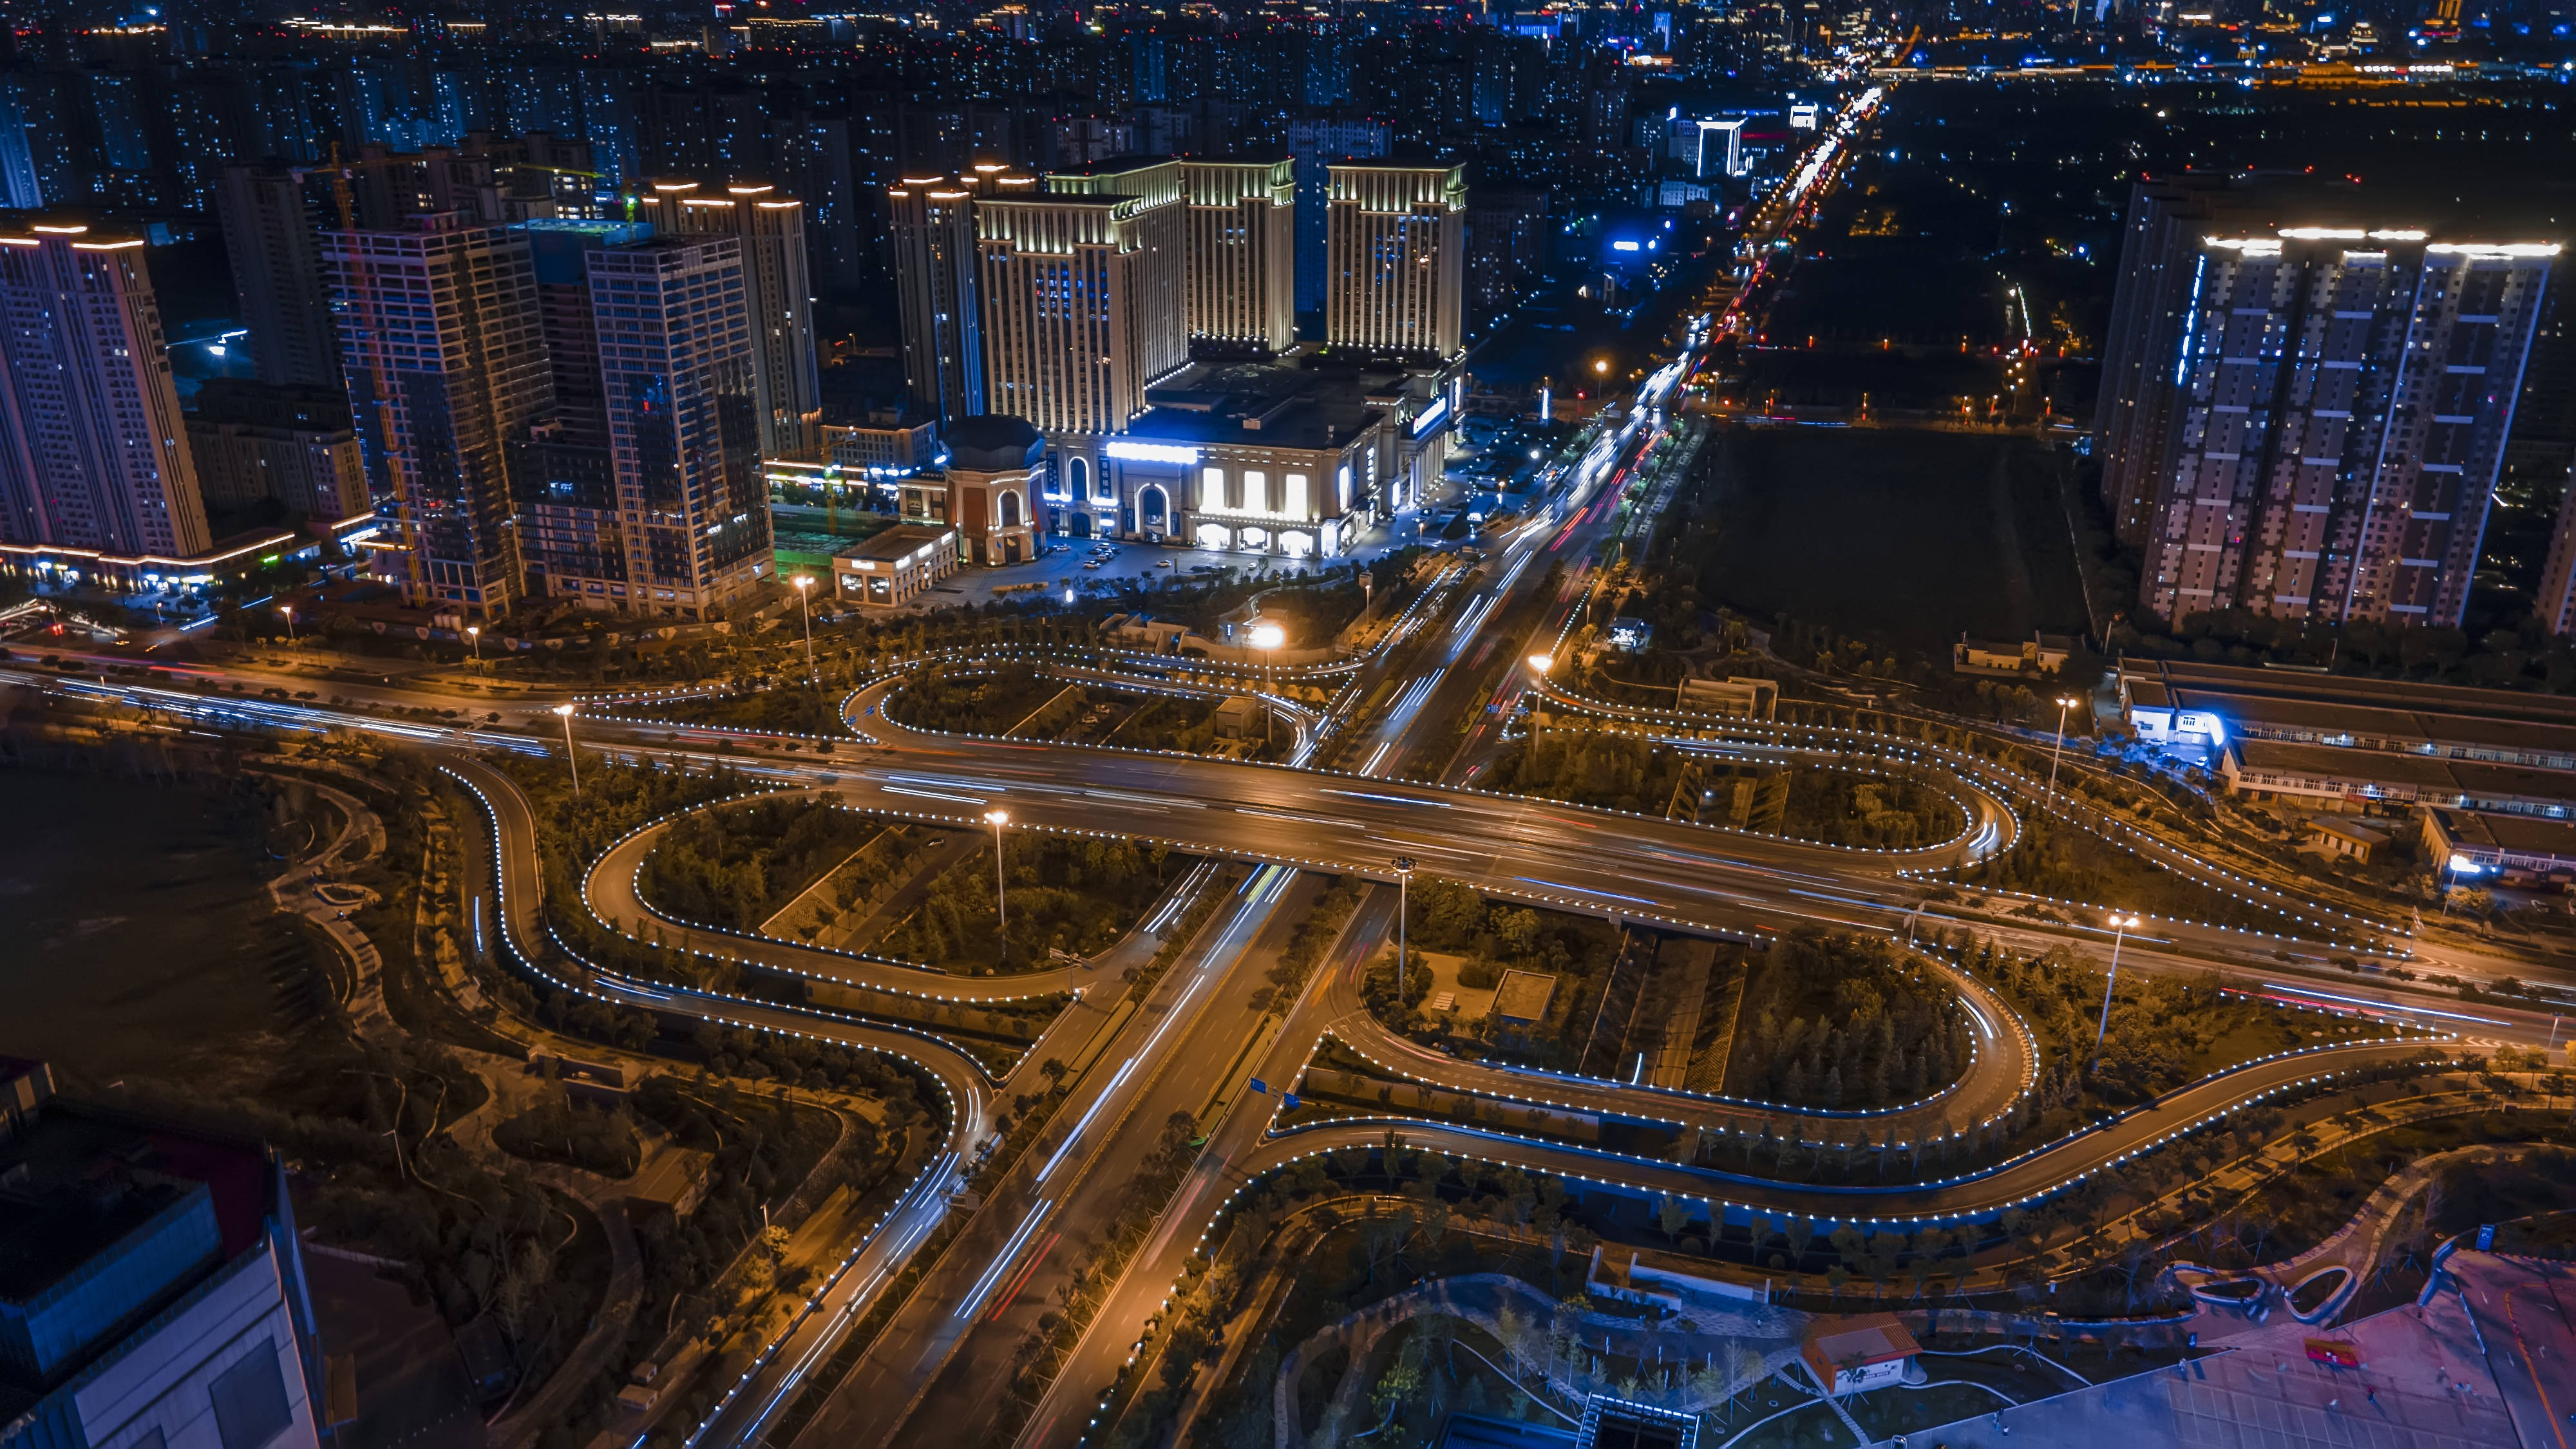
(2363, 1001)
(1052, 1163)
(951, 782)
(1001, 1261)
(1578, 890)
(932, 795)
(1395, 799)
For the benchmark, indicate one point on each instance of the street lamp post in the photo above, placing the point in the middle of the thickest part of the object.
(570, 759)
(1267, 638)
(1001, 898)
(2121, 926)
(288, 614)
(2065, 702)
(1539, 665)
(1403, 903)
(2452, 867)
(805, 583)
(474, 636)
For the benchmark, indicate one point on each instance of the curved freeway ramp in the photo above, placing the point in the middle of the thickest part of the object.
(612, 891)
(2001, 1068)
(2024, 1180)
(519, 883)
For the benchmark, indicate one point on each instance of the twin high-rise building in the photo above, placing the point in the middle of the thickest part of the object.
(1007, 282)
(577, 410)
(2306, 420)
(563, 409)
(1082, 285)
(1071, 301)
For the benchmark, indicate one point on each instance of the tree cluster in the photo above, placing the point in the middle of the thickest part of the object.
(1897, 810)
(737, 865)
(1591, 767)
(1066, 894)
(971, 699)
(2068, 863)
(1840, 1021)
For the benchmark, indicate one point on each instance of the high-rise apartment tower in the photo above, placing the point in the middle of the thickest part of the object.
(770, 230)
(1242, 273)
(2306, 421)
(1396, 264)
(93, 450)
(275, 249)
(446, 363)
(641, 491)
(933, 246)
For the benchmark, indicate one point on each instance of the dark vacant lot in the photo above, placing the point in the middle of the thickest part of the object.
(138, 939)
(1907, 534)
(1901, 292)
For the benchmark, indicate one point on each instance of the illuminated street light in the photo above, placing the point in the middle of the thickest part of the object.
(1001, 901)
(474, 636)
(288, 614)
(2065, 702)
(570, 758)
(1267, 638)
(804, 584)
(2121, 926)
(2455, 867)
(1542, 663)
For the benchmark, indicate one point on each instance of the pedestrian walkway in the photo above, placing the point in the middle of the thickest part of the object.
(2422, 1384)
(2525, 1311)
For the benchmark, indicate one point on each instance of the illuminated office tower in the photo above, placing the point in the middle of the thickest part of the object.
(641, 491)
(445, 363)
(92, 446)
(1395, 269)
(1241, 272)
(771, 232)
(1081, 283)
(933, 246)
(2335, 407)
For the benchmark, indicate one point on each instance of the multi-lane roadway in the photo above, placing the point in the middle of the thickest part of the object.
(1206, 1028)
